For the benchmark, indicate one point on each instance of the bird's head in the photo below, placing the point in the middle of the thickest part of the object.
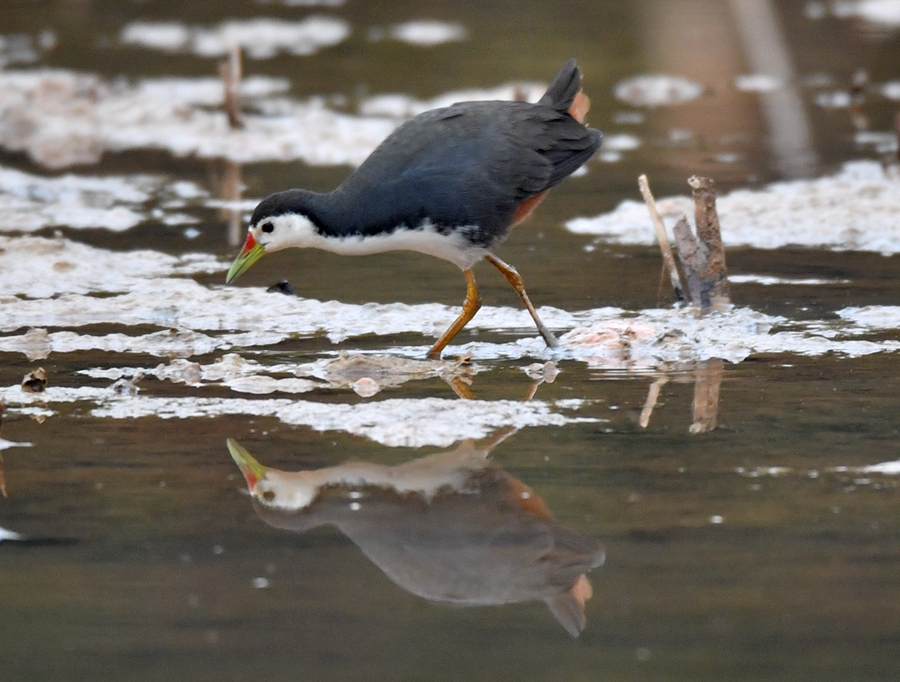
(279, 221)
(272, 488)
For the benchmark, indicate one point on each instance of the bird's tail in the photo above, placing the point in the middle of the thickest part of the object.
(564, 93)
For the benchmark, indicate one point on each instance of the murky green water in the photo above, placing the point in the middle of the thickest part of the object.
(760, 550)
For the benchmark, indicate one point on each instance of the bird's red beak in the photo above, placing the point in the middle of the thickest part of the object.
(253, 471)
(251, 253)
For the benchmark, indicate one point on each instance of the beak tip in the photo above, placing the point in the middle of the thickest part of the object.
(252, 470)
(251, 253)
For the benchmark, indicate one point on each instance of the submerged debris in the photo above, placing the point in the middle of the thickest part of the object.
(35, 381)
(127, 386)
(282, 287)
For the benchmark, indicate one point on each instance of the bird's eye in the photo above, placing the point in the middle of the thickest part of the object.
(268, 496)
(267, 228)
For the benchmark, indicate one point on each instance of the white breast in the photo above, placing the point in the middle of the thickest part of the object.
(294, 230)
(453, 246)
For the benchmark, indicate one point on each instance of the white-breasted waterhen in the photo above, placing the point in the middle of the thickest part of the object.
(450, 183)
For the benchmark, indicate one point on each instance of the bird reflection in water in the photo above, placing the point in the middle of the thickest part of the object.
(451, 527)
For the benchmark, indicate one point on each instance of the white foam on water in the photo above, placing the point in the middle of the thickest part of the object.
(394, 422)
(16, 48)
(888, 468)
(758, 82)
(53, 283)
(423, 32)
(883, 142)
(885, 12)
(855, 209)
(302, 3)
(656, 90)
(10, 535)
(6, 444)
(260, 38)
(884, 468)
(621, 142)
(872, 317)
(38, 268)
(768, 280)
(839, 99)
(31, 202)
(60, 118)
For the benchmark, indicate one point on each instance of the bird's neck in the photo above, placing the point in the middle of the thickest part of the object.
(332, 214)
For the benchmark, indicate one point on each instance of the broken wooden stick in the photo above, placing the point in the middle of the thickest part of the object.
(703, 257)
(703, 274)
(661, 237)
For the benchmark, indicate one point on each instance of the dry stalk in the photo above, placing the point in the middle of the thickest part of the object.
(664, 245)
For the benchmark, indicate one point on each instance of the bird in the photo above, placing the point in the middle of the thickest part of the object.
(450, 183)
(450, 527)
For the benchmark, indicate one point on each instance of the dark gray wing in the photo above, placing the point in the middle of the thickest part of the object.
(469, 164)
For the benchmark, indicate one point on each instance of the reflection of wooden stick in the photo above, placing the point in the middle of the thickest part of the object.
(652, 397)
(497, 437)
(230, 71)
(664, 245)
(897, 130)
(460, 387)
(706, 395)
(232, 185)
(2, 476)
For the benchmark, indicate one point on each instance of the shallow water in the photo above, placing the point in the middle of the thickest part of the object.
(740, 471)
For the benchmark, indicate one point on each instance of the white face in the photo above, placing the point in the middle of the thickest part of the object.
(279, 492)
(280, 232)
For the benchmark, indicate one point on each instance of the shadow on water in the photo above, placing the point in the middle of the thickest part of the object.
(450, 527)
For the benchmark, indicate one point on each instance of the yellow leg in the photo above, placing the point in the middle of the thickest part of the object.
(470, 307)
(514, 278)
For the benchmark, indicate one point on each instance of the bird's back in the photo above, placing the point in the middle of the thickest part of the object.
(471, 164)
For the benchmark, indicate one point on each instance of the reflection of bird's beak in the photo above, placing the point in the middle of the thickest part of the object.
(253, 471)
(251, 253)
